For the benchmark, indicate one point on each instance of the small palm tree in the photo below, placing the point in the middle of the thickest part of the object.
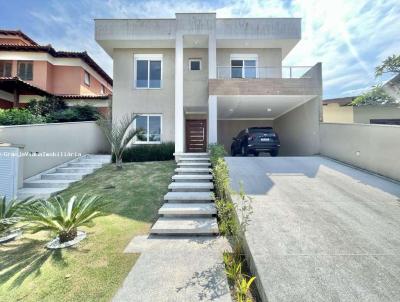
(119, 134)
(64, 216)
(10, 214)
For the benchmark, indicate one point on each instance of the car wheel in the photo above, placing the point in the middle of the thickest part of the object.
(274, 153)
(244, 151)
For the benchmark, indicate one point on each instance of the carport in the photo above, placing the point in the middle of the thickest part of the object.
(320, 230)
(294, 117)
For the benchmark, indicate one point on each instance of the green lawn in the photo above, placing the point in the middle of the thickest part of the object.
(95, 269)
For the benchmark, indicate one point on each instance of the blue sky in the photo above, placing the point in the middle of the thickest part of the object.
(349, 37)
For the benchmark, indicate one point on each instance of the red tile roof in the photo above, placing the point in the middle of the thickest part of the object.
(17, 33)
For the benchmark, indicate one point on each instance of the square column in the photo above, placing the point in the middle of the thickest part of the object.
(212, 56)
(179, 123)
(212, 119)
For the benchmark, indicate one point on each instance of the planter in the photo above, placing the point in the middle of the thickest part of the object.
(11, 235)
(55, 243)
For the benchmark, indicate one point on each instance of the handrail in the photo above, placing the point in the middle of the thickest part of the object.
(265, 72)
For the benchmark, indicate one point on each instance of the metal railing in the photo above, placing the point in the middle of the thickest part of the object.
(248, 72)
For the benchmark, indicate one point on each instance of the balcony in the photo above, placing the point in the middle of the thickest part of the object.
(251, 80)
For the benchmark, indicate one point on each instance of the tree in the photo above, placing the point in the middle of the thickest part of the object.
(120, 134)
(390, 64)
(376, 96)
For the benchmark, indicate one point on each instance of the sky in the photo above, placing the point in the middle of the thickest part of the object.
(349, 37)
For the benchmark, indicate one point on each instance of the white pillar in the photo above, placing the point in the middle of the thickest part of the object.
(212, 56)
(212, 119)
(179, 124)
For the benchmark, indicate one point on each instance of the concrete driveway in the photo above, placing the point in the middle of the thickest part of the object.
(320, 230)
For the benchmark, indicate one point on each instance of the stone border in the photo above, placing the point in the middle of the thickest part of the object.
(55, 243)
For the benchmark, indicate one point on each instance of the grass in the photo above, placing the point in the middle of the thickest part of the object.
(96, 268)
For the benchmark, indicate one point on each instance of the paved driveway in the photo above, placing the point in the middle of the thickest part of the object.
(320, 230)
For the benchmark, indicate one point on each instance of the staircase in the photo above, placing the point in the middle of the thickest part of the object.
(50, 182)
(189, 207)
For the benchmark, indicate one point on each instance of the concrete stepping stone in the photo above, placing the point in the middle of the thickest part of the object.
(37, 192)
(194, 159)
(189, 197)
(185, 226)
(193, 170)
(60, 176)
(43, 183)
(191, 186)
(80, 164)
(75, 170)
(188, 209)
(193, 165)
(192, 178)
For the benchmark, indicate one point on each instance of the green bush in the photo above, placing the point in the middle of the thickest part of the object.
(19, 117)
(46, 106)
(216, 152)
(73, 114)
(156, 152)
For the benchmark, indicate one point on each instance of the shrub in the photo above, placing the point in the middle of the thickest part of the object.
(73, 114)
(46, 106)
(156, 152)
(216, 152)
(64, 216)
(19, 117)
(10, 214)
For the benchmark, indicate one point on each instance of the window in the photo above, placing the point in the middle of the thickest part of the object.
(151, 125)
(87, 78)
(194, 64)
(148, 71)
(5, 68)
(25, 70)
(244, 66)
(102, 89)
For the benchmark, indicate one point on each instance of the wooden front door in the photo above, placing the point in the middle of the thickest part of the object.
(196, 135)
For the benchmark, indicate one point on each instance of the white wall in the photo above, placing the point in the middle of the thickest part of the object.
(372, 147)
(79, 137)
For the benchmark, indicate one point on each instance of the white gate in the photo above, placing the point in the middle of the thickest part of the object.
(8, 172)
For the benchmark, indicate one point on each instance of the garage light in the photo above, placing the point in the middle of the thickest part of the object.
(230, 110)
(269, 109)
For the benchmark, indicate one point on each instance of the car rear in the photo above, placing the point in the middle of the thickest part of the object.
(263, 139)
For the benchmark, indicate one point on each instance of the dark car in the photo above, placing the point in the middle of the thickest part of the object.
(255, 140)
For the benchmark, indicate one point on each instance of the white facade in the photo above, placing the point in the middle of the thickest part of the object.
(237, 74)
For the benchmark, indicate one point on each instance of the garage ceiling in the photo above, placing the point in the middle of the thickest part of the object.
(258, 107)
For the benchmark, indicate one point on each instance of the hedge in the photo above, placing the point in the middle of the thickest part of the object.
(156, 152)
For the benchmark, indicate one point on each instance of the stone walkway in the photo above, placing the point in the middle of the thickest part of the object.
(176, 268)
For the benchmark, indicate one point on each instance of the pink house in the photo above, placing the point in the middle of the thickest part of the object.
(32, 71)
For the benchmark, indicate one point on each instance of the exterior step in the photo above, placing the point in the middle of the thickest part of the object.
(193, 165)
(48, 183)
(193, 197)
(36, 193)
(75, 170)
(191, 186)
(188, 209)
(60, 176)
(193, 170)
(80, 164)
(192, 178)
(192, 155)
(194, 159)
(185, 226)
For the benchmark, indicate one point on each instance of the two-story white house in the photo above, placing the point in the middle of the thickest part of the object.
(197, 79)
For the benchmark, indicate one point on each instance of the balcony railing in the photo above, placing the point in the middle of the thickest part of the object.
(248, 72)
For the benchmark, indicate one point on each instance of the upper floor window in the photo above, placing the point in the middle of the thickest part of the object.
(194, 64)
(151, 126)
(5, 68)
(244, 66)
(86, 78)
(25, 70)
(148, 71)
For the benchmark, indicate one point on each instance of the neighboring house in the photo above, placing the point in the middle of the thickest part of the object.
(340, 110)
(31, 71)
(197, 79)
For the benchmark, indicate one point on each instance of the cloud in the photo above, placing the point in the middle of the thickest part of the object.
(350, 38)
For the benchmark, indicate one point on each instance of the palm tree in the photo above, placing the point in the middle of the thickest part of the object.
(64, 216)
(119, 134)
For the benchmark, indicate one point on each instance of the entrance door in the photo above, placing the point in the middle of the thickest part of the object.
(196, 135)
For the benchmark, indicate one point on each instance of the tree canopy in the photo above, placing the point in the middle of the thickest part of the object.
(390, 64)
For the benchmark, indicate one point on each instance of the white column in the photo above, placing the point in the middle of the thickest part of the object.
(212, 56)
(179, 124)
(212, 119)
